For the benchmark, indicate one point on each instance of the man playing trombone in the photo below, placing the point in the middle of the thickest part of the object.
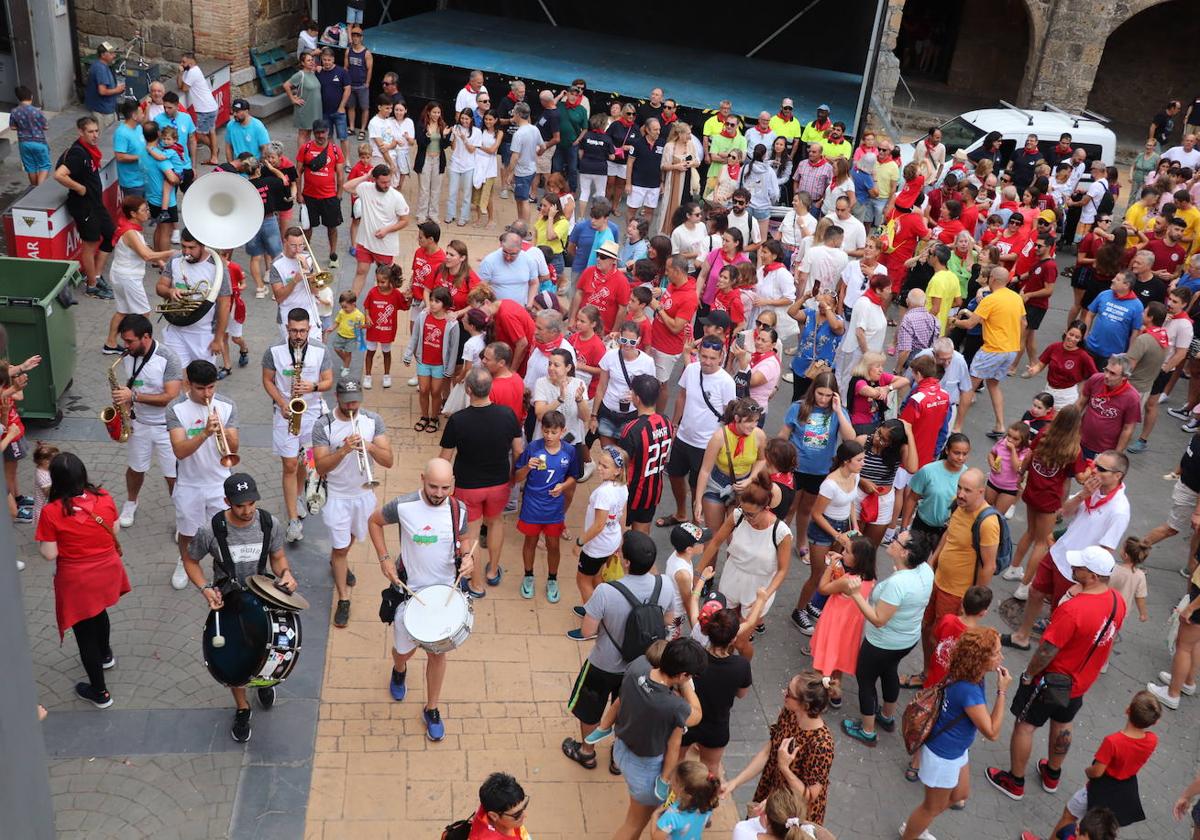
(204, 437)
(189, 278)
(294, 374)
(345, 442)
(289, 278)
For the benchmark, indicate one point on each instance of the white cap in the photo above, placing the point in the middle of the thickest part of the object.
(1094, 559)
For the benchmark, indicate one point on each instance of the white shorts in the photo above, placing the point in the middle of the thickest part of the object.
(1064, 396)
(1183, 504)
(545, 160)
(129, 294)
(938, 772)
(184, 348)
(234, 330)
(903, 477)
(664, 365)
(616, 170)
(287, 445)
(146, 441)
(374, 345)
(887, 506)
(643, 197)
(196, 506)
(346, 518)
(1077, 804)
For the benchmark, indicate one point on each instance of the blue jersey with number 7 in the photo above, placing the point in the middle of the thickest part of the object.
(538, 507)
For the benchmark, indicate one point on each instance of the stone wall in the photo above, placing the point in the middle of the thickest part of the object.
(166, 25)
(276, 21)
(984, 64)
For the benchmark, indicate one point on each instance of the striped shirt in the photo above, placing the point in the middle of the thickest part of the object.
(647, 438)
(880, 467)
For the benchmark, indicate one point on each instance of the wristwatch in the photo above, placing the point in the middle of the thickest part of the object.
(208, 586)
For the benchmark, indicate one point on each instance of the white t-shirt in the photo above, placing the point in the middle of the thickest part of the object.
(525, 141)
(404, 131)
(301, 297)
(468, 99)
(1094, 194)
(676, 564)
(473, 350)
(430, 559)
(699, 422)
(690, 241)
(618, 388)
(546, 391)
(191, 276)
(840, 501)
(856, 282)
(1189, 159)
(379, 209)
(346, 479)
(1179, 332)
(462, 160)
(538, 363)
(854, 235)
(824, 265)
(384, 129)
(873, 321)
(153, 375)
(611, 497)
(1103, 526)
(203, 467)
(795, 227)
(747, 225)
(200, 95)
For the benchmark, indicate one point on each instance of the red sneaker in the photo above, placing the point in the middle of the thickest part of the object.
(1004, 782)
(1029, 835)
(1049, 783)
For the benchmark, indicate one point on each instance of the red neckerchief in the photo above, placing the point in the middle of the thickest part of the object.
(665, 120)
(467, 86)
(578, 103)
(785, 116)
(1065, 151)
(1180, 315)
(962, 254)
(872, 296)
(822, 126)
(931, 145)
(787, 479)
(1127, 296)
(122, 226)
(1107, 394)
(513, 96)
(1008, 205)
(818, 163)
(728, 132)
(1103, 500)
(547, 346)
(772, 266)
(1159, 334)
(740, 447)
(625, 122)
(734, 169)
(175, 147)
(94, 151)
(757, 357)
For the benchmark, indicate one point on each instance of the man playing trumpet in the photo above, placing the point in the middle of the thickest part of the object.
(290, 279)
(190, 276)
(204, 437)
(345, 443)
(294, 374)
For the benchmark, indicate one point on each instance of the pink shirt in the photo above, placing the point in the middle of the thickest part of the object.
(1008, 477)
(718, 262)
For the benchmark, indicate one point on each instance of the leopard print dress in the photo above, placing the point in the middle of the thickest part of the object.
(811, 766)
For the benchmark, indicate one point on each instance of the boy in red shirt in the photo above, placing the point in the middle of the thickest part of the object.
(362, 167)
(13, 446)
(381, 307)
(639, 300)
(991, 231)
(975, 604)
(927, 409)
(237, 317)
(501, 813)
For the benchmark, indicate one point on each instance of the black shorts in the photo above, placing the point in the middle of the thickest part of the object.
(1038, 713)
(589, 565)
(186, 180)
(1034, 316)
(593, 691)
(711, 737)
(646, 514)
(1001, 491)
(1091, 292)
(324, 212)
(1160, 382)
(1081, 277)
(808, 482)
(94, 225)
(685, 460)
(16, 450)
(172, 213)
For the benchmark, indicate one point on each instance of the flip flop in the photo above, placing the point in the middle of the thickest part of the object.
(669, 521)
(913, 681)
(421, 425)
(1006, 640)
(571, 749)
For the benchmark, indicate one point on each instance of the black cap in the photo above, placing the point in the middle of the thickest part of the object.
(349, 386)
(717, 318)
(687, 534)
(240, 488)
(638, 549)
(240, 105)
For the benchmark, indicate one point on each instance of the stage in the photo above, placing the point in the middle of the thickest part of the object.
(548, 56)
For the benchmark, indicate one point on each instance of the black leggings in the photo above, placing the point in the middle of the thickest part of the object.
(882, 665)
(91, 635)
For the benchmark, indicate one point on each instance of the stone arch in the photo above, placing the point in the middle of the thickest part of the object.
(1126, 9)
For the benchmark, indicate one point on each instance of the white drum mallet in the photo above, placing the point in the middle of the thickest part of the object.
(218, 641)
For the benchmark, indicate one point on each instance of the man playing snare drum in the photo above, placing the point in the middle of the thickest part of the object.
(431, 523)
(245, 545)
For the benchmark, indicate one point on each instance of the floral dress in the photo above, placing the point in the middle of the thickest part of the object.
(811, 766)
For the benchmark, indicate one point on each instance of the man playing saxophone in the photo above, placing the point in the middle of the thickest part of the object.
(347, 442)
(190, 276)
(295, 373)
(149, 380)
(204, 438)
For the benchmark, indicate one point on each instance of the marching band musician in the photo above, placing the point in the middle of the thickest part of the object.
(200, 424)
(251, 539)
(152, 377)
(298, 367)
(339, 440)
(192, 271)
(289, 279)
(431, 524)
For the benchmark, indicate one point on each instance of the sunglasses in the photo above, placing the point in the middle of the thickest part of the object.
(731, 125)
(1101, 469)
(763, 325)
(739, 204)
(516, 815)
(627, 342)
(668, 107)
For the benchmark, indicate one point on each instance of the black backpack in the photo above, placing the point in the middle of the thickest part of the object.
(457, 830)
(645, 624)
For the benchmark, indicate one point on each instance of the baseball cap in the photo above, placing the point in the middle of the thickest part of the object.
(240, 105)
(1047, 216)
(240, 488)
(608, 249)
(713, 603)
(349, 386)
(717, 318)
(824, 108)
(687, 534)
(638, 549)
(1094, 559)
(787, 103)
(104, 47)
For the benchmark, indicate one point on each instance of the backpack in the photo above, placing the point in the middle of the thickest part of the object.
(457, 830)
(1106, 203)
(645, 624)
(921, 717)
(1004, 550)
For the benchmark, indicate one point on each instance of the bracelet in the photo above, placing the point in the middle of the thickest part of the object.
(208, 586)
(383, 558)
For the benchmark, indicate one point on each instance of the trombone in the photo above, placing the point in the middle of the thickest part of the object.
(228, 458)
(364, 459)
(317, 278)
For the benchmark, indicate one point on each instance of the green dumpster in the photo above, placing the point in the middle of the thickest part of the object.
(38, 325)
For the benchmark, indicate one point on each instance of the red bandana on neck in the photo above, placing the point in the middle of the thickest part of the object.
(786, 116)
(874, 297)
(94, 151)
(757, 357)
(626, 121)
(1159, 334)
(734, 169)
(123, 225)
(786, 479)
(1107, 394)
(665, 120)
(740, 447)
(773, 266)
(728, 132)
(1103, 500)
(549, 346)
(573, 102)
(513, 96)
(1127, 296)
(931, 144)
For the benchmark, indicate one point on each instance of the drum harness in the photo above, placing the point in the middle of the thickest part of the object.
(391, 598)
(220, 529)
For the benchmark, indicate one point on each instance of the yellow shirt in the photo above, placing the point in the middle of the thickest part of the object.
(716, 124)
(956, 568)
(1192, 217)
(837, 150)
(790, 129)
(945, 286)
(1137, 217)
(344, 322)
(742, 463)
(562, 230)
(887, 175)
(1002, 312)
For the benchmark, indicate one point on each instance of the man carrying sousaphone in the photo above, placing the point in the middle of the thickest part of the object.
(249, 540)
(191, 276)
(294, 373)
(432, 524)
(345, 443)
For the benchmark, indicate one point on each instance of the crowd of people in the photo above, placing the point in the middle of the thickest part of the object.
(650, 265)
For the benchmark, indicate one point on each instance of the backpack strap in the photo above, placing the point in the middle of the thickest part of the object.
(220, 529)
(264, 523)
(455, 511)
(976, 529)
(634, 603)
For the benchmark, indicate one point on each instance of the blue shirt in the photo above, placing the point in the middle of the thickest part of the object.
(538, 507)
(955, 381)
(816, 441)
(583, 235)
(937, 487)
(130, 141)
(600, 237)
(682, 825)
(186, 126)
(1114, 323)
(811, 349)
(632, 251)
(250, 137)
(908, 590)
(863, 181)
(155, 171)
(1187, 281)
(29, 122)
(509, 280)
(954, 732)
(100, 74)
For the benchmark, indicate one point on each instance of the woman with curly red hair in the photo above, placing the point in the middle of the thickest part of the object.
(964, 713)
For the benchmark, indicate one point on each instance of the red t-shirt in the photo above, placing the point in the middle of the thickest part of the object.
(1166, 257)
(320, 183)
(608, 293)
(927, 410)
(237, 306)
(357, 171)
(678, 302)
(590, 351)
(1065, 368)
(989, 237)
(1125, 756)
(1027, 258)
(458, 294)
(1105, 414)
(424, 269)
(731, 302)
(948, 230)
(1039, 277)
(945, 636)
(510, 391)
(1045, 485)
(382, 309)
(937, 198)
(431, 341)
(909, 229)
(1011, 243)
(970, 217)
(1088, 246)
(645, 331)
(512, 324)
(1074, 627)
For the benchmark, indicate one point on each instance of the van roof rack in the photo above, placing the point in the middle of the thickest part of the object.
(1075, 118)
(1097, 117)
(1028, 116)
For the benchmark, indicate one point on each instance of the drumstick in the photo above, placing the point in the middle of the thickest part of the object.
(411, 593)
(458, 577)
(218, 641)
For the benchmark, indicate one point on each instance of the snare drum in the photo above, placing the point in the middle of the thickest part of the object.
(443, 619)
(262, 642)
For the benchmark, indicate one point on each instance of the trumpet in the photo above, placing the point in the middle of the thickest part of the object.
(117, 417)
(228, 458)
(364, 460)
(316, 277)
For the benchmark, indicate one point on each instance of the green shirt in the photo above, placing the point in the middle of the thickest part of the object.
(720, 144)
(964, 274)
(571, 123)
(937, 487)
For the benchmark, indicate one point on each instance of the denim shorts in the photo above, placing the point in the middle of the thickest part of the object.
(35, 157)
(639, 773)
(819, 536)
(988, 365)
(337, 124)
(435, 371)
(521, 185)
(760, 215)
(206, 121)
(267, 240)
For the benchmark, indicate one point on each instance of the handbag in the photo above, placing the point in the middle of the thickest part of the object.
(817, 366)
(612, 570)
(1053, 690)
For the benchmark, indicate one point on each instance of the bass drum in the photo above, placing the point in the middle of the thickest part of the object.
(262, 643)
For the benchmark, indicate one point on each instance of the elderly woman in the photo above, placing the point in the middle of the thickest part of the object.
(304, 90)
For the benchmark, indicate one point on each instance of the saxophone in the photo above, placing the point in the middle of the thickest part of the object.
(297, 405)
(117, 417)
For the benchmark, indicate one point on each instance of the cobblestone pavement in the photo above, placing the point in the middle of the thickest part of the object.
(161, 763)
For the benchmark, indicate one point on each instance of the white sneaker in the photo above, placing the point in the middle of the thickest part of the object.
(588, 469)
(1162, 398)
(179, 580)
(367, 381)
(412, 383)
(345, 372)
(128, 511)
(1012, 573)
(295, 531)
(21, 568)
(1022, 592)
(924, 835)
(1160, 691)
(301, 506)
(175, 241)
(1165, 676)
(387, 381)
(1010, 512)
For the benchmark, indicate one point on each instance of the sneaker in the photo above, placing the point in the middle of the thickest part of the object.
(344, 373)
(387, 381)
(588, 469)
(788, 376)
(1188, 689)
(1039, 626)
(888, 536)
(25, 501)
(179, 578)
(128, 511)
(435, 730)
(260, 293)
(266, 696)
(366, 383)
(295, 531)
(341, 616)
(854, 729)
(499, 576)
(1162, 693)
(333, 260)
(412, 383)
(1006, 783)
(579, 611)
(24, 516)
(241, 725)
(464, 586)
(527, 587)
(175, 236)
(813, 611)
(102, 284)
(803, 623)
(109, 350)
(887, 724)
(1046, 776)
(597, 735)
(99, 699)
(552, 593)
(1022, 592)
(1179, 413)
(351, 580)
(1191, 427)
(243, 359)
(20, 565)
(924, 835)
(1012, 573)
(397, 686)
(577, 635)
(109, 662)
(504, 193)
(301, 507)
(1137, 446)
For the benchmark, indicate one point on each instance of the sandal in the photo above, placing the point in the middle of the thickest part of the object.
(1006, 640)
(668, 521)
(362, 135)
(913, 681)
(223, 372)
(572, 750)
(421, 425)
(612, 766)
(433, 425)
(910, 773)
